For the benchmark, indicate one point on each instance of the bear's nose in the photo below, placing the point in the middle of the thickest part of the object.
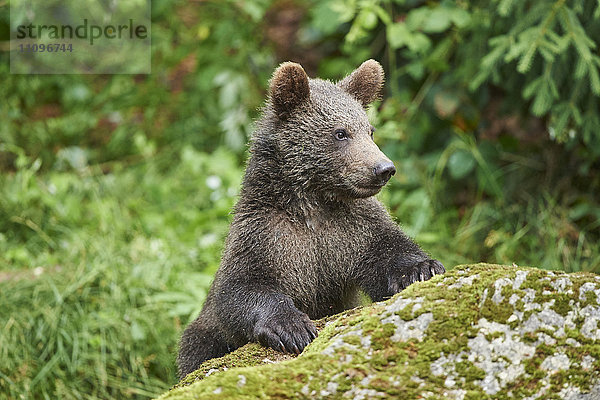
(384, 170)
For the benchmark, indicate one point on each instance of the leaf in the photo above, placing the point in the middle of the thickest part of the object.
(583, 44)
(532, 87)
(594, 80)
(438, 21)
(561, 115)
(581, 68)
(461, 18)
(326, 19)
(500, 44)
(460, 164)
(344, 9)
(368, 19)
(546, 55)
(383, 15)
(505, 7)
(543, 99)
(556, 43)
(417, 17)
(356, 33)
(416, 69)
(419, 43)
(525, 62)
(398, 35)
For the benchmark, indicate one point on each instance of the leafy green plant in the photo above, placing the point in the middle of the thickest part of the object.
(485, 99)
(542, 50)
(552, 49)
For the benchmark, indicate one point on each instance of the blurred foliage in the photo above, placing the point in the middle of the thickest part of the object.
(493, 115)
(116, 190)
(540, 54)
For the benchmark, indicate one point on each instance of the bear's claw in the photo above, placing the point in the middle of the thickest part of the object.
(420, 271)
(288, 332)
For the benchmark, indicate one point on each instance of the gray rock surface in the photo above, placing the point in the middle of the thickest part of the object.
(479, 332)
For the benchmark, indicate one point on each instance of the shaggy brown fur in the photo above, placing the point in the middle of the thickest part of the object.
(307, 233)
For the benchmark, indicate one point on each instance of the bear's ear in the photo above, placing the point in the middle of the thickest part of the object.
(288, 88)
(365, 83)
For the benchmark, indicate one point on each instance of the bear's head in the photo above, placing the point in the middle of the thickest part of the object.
(321, 135)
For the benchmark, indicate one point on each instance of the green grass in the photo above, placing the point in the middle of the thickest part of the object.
(100, 271)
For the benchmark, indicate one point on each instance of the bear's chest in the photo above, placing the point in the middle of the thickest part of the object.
(326, 246)
(316, 259)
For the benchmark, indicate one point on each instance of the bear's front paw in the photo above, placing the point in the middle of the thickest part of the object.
(420, 271)
(287, 332)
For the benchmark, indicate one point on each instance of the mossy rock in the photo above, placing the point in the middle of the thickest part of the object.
(478, 332)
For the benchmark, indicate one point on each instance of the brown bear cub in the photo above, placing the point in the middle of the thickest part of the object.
(307, 234)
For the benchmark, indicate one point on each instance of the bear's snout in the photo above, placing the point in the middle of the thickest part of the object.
(383, 171)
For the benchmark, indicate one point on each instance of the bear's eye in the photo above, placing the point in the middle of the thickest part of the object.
(341, 134)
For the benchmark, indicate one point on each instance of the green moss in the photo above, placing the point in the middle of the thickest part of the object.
(561, 304)
(590, 299)
(247, 356)
(523, 388)
(494, 335)
(352, 339)
(496, 312)
(469, 371)
(403, 369)
(381, 333)
(474, 395)
(406, 313)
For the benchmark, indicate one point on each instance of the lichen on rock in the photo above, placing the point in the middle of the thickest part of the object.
(478, 332)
